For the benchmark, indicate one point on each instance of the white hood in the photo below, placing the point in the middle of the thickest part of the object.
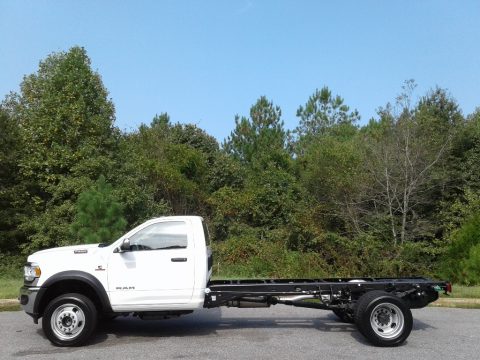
(81, 249)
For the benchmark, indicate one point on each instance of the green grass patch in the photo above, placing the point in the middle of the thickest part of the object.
(9, 287)
(10, 307)
(465, 292)
(456, 305)
(11, 275)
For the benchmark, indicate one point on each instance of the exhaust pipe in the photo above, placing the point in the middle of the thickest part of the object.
(247, 304)
(295, 297)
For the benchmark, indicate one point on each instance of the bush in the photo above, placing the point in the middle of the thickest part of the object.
(462, 259)
(11, 266)
(470, 267)
(251, 257)
(256, 254)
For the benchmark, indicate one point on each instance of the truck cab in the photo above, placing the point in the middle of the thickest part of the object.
(162, 265)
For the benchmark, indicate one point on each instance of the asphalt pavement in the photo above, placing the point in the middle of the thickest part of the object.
(280, 332)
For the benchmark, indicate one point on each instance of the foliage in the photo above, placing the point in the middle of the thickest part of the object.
(11, 276)
(170, 163)
(322, 113)
(462, 263)
(67, 139)
(331, 172)
(11, 266)
(99, 216)
(245, 256)
(10, 216)
(396, 196)
(260, 139)
(468, 153)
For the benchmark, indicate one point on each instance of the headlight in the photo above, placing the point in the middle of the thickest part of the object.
(31, 272)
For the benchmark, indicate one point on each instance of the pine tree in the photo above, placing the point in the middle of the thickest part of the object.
(99, 217)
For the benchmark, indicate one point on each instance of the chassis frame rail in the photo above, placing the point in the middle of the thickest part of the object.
(331, 293)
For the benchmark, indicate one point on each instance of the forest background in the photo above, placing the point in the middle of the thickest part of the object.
(396, 196)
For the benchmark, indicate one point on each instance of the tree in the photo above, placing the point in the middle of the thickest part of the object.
(261, 138)
(466, 159)
(66, 128)
(267, 196)
(196, 138)
(331, 171)
(10, 190)
(166, 165)
(461, 262)
(66, 117)
(401, 155)
(99, 217)
(322, 112)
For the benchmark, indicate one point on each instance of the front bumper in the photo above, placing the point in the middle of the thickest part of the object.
(27, 299)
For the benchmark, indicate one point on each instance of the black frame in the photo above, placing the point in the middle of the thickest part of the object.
(337, 292)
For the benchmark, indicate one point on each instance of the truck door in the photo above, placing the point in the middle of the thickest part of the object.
(158, 269)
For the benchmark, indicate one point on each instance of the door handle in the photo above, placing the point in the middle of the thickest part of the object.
(178, 259)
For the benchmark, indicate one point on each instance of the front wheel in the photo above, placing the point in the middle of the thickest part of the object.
(69, 320)
(384, 319)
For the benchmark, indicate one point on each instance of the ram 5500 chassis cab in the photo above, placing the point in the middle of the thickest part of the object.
(162, 269)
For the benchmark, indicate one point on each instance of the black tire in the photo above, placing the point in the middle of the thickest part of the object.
(344, 316)
(69, 320)
(384, 319)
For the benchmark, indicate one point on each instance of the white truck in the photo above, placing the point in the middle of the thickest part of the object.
(162, 269)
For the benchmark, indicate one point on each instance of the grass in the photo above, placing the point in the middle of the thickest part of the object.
(11, 276)
(464, 306)
(466, 292)
(457, 305)
(10, 307)
(9, 287)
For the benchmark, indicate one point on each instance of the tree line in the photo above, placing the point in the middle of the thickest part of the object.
(398, 195)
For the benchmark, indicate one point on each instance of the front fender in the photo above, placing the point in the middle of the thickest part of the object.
(71, 276)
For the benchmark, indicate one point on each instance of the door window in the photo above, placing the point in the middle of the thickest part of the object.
(162, 235)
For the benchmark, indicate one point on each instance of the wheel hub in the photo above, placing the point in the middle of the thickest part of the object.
(383, 318)
(67, 321)
(387, 320)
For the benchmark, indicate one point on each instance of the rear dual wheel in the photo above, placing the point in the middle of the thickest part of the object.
(384, 319)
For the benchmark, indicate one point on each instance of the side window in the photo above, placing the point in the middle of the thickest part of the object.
(163, 235)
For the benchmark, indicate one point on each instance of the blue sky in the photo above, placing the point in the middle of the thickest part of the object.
(205, 61)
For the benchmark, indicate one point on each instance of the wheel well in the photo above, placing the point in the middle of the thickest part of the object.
(69, 286)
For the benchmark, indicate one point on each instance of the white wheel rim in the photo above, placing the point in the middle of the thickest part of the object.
(387, 321)
(67, 321)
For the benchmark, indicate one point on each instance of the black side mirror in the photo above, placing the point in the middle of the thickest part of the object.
(125, 245)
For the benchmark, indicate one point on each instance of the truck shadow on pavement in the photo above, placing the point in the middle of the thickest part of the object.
(212, 323)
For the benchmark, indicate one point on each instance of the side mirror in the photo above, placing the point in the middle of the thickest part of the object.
(125, 246)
